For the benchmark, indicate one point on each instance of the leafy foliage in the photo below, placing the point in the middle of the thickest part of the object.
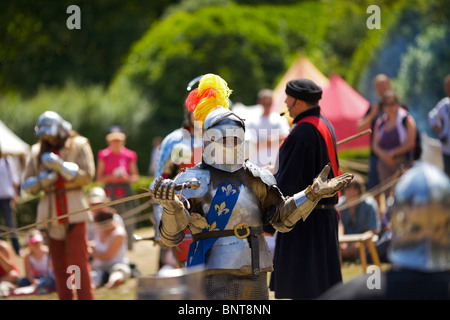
(247, 47)
(91, 111)
(36, 47)
(108, 74)
(413, 51)
(421, 75)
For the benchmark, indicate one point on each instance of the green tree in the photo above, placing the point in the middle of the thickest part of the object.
(247, 46)
(36, 47)
(422, 71)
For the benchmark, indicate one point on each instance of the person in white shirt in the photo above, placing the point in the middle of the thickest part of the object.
(107, 244)
(9, 186)
(110, 265)
(266, 133)
(439, 120)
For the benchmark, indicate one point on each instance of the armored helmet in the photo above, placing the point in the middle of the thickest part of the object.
(223, 130)
(51, 124)
(420, 220)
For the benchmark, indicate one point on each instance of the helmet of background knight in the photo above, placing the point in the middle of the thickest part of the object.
(420, 220)
(51, 124)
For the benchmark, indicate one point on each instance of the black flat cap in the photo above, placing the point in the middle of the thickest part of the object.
(304, 89)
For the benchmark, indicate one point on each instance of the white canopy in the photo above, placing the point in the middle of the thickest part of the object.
(10, 143)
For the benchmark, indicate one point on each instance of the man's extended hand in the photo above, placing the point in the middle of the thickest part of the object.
(322, 187)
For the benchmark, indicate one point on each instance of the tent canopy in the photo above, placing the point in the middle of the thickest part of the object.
(10, 143)
(343, 106)
(340, 103)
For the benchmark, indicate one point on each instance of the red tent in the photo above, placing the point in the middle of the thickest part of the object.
(343, 106)
(340, 103)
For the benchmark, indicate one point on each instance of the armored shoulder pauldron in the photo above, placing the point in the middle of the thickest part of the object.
(265, 175)
(201, 175)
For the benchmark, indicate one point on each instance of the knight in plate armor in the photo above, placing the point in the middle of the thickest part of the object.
(180, 149)
(60, 165)
(226, 215)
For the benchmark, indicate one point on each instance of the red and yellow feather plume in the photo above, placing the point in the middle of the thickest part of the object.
(212, 92)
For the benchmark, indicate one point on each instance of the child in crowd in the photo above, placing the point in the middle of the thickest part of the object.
(37, 264)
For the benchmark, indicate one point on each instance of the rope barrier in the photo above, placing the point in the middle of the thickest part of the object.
(353, 165)
(128, 221)
(106, 204)
(353, 137)
(372, 192)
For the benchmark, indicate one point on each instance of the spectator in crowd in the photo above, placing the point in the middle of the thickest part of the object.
(266, 132)
(117, 169)
(9, 194)
(156, 142)
(381, 84)
(97, 195)
(439, 119)
(358, 218)
(420, 246)
(394, 139)
(110, 265)
(37, 264)
(9, 273)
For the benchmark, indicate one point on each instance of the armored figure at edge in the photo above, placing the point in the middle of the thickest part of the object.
(227, 212)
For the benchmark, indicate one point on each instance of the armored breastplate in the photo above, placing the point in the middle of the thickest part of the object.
(232, 252)
(235, 253)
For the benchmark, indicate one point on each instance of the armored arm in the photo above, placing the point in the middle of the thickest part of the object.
(301, 204)
(175, 218)
(80, 170)
(44, 180)
(68, 170)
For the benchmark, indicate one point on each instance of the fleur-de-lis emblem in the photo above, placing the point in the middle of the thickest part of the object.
(221, 209)
(228, 190)
(213, 227)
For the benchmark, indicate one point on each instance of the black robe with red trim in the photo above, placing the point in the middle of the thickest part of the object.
(306, 259)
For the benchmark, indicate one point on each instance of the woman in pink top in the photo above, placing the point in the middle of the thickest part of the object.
(117, 169)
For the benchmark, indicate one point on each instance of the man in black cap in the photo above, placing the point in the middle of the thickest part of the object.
(306, 260)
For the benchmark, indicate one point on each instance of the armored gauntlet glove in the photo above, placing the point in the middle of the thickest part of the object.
(164, 194)
(324, 188)
(175, 218)
(68, 170)
(305, 201)
(44, 180)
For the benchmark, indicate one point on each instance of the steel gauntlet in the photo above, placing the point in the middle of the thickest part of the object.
(291, 210)
(68, 170)
(44, 180)
(175, 217)
(302, 203)
(322, 187)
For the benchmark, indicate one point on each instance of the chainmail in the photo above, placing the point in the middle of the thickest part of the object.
(219, 177)
(225, 286)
